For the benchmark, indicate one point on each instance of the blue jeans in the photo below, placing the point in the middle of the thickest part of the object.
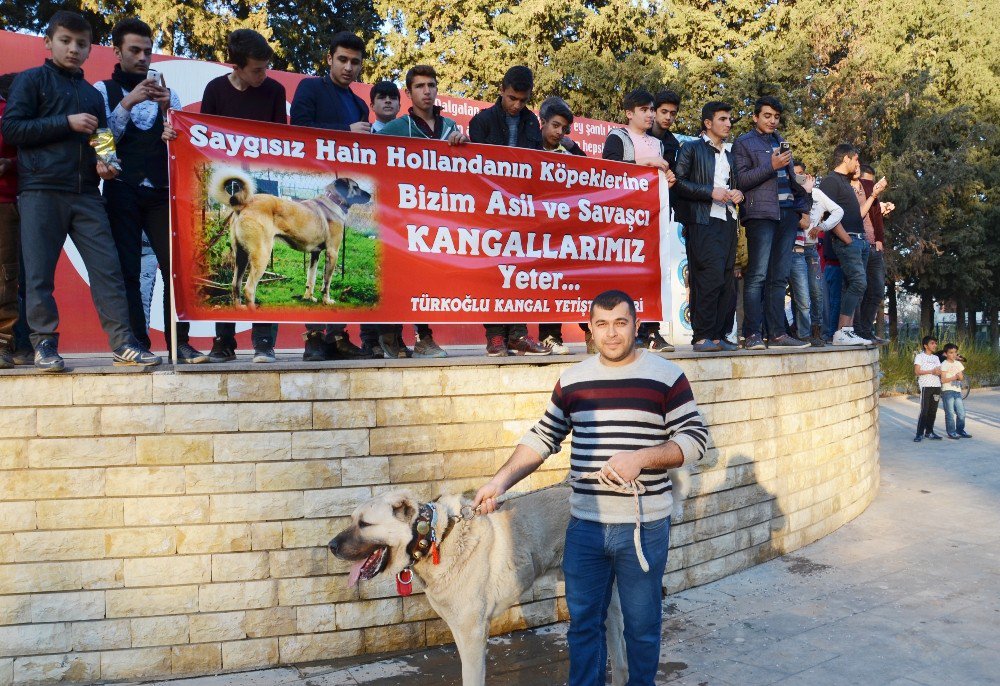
(817, 287)
(769, 244)
(596, 555)
(954, 411)
(854, 261)
(798, 279)
(834, 277)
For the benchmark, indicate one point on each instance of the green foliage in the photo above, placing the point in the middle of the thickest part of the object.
(982, 364)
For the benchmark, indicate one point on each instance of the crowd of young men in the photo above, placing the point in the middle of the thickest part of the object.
(50, 174)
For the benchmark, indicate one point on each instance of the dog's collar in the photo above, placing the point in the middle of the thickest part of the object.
(339, 200)
(425, 537)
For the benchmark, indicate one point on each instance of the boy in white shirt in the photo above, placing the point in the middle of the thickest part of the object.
(927, 367)
(952, 373)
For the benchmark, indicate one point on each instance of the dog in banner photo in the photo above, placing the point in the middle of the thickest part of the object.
(256, 220)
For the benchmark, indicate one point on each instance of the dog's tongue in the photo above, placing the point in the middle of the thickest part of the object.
(352, 580)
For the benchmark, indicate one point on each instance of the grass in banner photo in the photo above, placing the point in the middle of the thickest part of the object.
(276, 239)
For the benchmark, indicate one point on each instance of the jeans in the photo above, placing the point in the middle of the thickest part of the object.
(834, 277)
(769, 244)
(871, 302)
(954, 411)
(596, 555)
(798, 279)
(817, 287)
(854, 261)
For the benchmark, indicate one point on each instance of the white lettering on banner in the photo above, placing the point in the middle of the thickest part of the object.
(611, 214)
(532, 245)
(431, 160)
(558, 172)
(418, 197)
(351, 154)
(252, 147)
(507, 206)
(532, 279)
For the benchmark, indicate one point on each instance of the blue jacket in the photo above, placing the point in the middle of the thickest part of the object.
(759, 180)
(317, 104)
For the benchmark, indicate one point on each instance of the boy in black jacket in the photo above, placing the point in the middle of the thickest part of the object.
(50, 116)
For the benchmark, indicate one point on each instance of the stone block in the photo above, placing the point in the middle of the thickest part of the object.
(355, 414)
(109, 634)
(311, 619)
(6, 671)
(128, 420)
(185, 509)
(213, 538)
(391, 638)
(335, 502)
(257, 507)
(112, 389)
(172, 388)
(90, 513)
(369, 613)
(48, 453)
(310, 533)
(32, 390)
(68, 421)
(253, 447)
(312, 647)
(266, 535)
(254, 387)
(362, 471)
(322, 445)
(219, 478)
(137, 663)
(240, 566)
(40, 577)
(176, 569)
(173, 449)
(281, 416)
(392, 412)
(404, 469)
(421, 382)
(15, 609)
(140, 542)
(297, 475)
(204, 418)
(469, 463)
(150, 602)
(376, 383)
(13, 454)
(241, 595)
(98, 574)
(478, 380)
(219, 626)
(416, 608)
(18, 517)
(250, 654)
(329, 385)
(540, 378)
(299, 562)
(437, 632)
(274, 621)
(57, 668)
(196, 659)
(34, 639)
(39, 546)
(144, 481)
(315, 590)
(73, 606)
(530, 405)
(159, 631)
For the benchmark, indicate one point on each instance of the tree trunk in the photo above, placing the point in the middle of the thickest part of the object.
(973, 326)
(926, 314)
(994, 327)
(960, 330)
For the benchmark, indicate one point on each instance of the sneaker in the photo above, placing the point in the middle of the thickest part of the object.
(846, 336)
(526, 345)
(188, 354)
(786, 341)
(933, 436)
(6, 359)
(728, 346)
(223, 350)
(954, 436)
(372, 351)
(918, 438)
(315, 347)
(426, 347)
(963, 434)
(393, 346)
(706, 346)
(339, 347)
(263, 351)
(134, 355)
(556, 345)
(47, 357)
(496, 347)
(655, 342)
(876, 340)
(816, 342)
(754, 342)
(24, 357)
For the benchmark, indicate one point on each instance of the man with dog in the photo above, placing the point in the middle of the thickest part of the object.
(633, 417)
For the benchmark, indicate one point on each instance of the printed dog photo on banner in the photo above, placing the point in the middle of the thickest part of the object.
(272, 238)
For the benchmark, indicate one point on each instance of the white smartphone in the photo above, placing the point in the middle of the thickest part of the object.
(153, 75)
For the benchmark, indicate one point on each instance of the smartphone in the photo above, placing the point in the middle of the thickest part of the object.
(153, 75)
(785, 147)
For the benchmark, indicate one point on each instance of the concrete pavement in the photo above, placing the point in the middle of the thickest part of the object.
(906, 594)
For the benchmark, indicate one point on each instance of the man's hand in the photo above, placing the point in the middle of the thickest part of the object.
(486, 498)
(626, 464)
(779, 161)
(106, 171)
(880, 186)
(736, 196)
(82, 123)
(803, 221)
(457, 138)
(169, 134)
(813, 233)
(361, 127)
(886, 208)
(720, 194)
(671, 178)
(878, 246)
(657, 162)
(147, 90)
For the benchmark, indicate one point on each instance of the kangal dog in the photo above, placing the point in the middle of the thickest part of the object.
(256, 220)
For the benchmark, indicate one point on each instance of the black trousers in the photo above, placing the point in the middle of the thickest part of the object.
(929, 397)
(711, 251)
(47, 218)
(509, 332)
(866, 314)
(371, 332)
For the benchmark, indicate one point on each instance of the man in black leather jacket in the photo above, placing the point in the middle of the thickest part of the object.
(706, 206)
(51, 113)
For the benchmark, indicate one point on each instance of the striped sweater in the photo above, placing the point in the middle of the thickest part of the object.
(613, 409)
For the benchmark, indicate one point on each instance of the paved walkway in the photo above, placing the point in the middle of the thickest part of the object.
(907, 594)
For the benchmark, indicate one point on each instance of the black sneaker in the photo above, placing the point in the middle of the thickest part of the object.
(6, 359)
(24, 357)
(372, 351)
(963, 434)
(392, 346)
(223, 350)
(315, 350)
(787, 341)
(933, 436)
(655, 342)
(339, 347)
(134, 355)
(47, 357)
(918, 438)
(263, 351)
(188, 354)
(754, 342)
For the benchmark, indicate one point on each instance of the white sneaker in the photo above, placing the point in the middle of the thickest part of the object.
(846, 336)
(858, 340)
(556, 346)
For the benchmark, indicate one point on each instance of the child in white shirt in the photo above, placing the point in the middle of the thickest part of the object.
(952, 374)
(927, 367)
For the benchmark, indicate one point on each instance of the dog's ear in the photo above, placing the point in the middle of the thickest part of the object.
(342, 186)
(404, 510)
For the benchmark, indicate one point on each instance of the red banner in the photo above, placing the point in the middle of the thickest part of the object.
(285, 223)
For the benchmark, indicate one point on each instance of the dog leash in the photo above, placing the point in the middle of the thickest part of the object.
(613, 482)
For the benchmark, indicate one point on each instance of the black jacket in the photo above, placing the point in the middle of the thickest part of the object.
(490, 126)
(51, 156)
(695, 181)
(759, 181)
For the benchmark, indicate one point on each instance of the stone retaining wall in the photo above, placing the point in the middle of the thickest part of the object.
(174, 523)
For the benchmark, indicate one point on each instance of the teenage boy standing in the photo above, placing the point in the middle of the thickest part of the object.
(871, 304)
(633, 143)
(666, 105)
(50, 116)
(384, 102)
(771, 214)
(138, 200)
(509, 122)
(708, 197)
